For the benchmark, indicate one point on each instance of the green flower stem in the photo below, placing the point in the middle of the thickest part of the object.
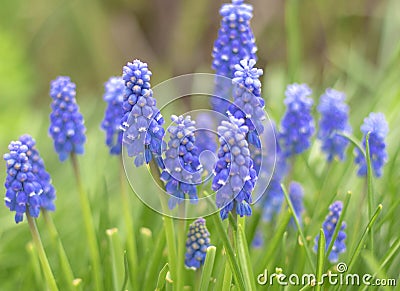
(116, 258)
(168, 226)
(227, 281)
(370, 189)
(293, 37)
(30, 247)
(48, 274)
(65, 265)
(181, 247)
(130, 230)
(89, 225)
(320, 258)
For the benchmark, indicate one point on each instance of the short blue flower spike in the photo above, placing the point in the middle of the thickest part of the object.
(234, 174)
(334, 118)
(335, 210)
(66, 122)
(182, 169)
(296, 194)
(142, 121)
(48, 195)
(23, 189)
(198, 240)
(113, 95)
(297, 125)
(247, 101)
(235, 42)
(378, 127)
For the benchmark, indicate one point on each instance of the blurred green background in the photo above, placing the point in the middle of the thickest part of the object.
(353, 46)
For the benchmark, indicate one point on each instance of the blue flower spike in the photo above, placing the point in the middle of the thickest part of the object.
(198, 240)
(247, 101)
(378, 127)
(66, 122)
(142, 121)
(296, 194)
(23, 189)
(334, 119)
(48, 195)
(339, 246)
(234, 43)
(235, 177)
(182, 169)
(113, 95)
(297, 125)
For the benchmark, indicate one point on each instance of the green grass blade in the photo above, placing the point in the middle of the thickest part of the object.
(162, 277)
(360, 244)
(207, 269)
(151, 271)
(126, 273)
(244, 259)
(296, 220)
(320, 258)
(227, 281)
(116, 257)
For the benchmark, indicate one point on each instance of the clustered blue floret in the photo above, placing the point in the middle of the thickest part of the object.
(247, 101)
(334, 118)
(48, 195)
(111, 124)
(234, 174)
(66, 122)
(23, 189)
(297, 125)
(378, 127)
(296, 194)
(182, 168)
(142, 121)
(235, 42)
(198, 240)
(339, 246)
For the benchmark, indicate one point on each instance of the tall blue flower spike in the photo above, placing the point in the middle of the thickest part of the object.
(23, 189)
(334, 118)
(296, 194)
(234, 174)
(297, 125)
(48, 195)
(113, 95)
(66, 122)
(235, 42)
(339, 246)
(142, 121)
(182, 169)
(247, 101)
(198, 240)
(378, 127)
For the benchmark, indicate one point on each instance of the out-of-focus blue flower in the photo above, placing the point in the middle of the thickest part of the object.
(297, 125)
(378, 127)
(334, 118)
(247, 101)
(258, 240)
(335, 210)
(23, 189)
(296, 194)
(48, 195)
(111, 124)
(66, 122)
(235, 42)
(142, 121)
(273, 199)
(234, 174)
(182, 169)
(198, 240)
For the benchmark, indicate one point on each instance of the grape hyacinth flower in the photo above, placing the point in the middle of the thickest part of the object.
(23, 189)
(296, 194)
(378, 127)
(142, 121)
(206, 141)
(334, 118)
(247, 101)
(197, 243)
(66, 122)
(234, 174)
(113, 95)
(48, 195)
(297, 125)
(235, 42)
(182, 168)
(335, 210)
